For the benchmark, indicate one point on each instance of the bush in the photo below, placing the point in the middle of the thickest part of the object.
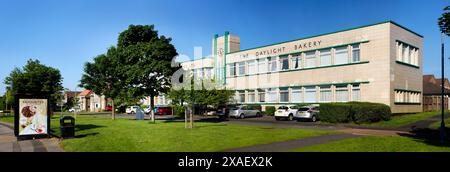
(358, 112)
(370, 112)
(270, 110)
(336, 112)
(178, 111)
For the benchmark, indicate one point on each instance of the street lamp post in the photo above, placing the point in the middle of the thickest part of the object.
(442, 128)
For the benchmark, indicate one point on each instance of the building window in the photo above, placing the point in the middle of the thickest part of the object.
(310, 94)
(241, 97)
(341, 55)
(241, 68)
(355, 53)
(208, 73)
(262, 95)
(251, 96)
(232, 69)
(272, 64)
(325, 57)
(284, 62)
(356, 93)
(262, 66)
(325, 94)
(404, 52)
(310, 59)
(341, 93)
(200, 73)
(296, 94)
(407, 97)
(296, 61)
(271, 95)
(284, 95)
(252, 67)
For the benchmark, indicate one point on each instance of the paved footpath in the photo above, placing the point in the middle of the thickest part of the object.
(9, 143)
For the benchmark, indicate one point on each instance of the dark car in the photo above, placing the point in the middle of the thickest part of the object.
(223, 111)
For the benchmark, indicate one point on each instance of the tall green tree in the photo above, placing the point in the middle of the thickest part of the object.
(148, 61)
(35, 77)
(2, 103)
(444, 21)
(105, 76)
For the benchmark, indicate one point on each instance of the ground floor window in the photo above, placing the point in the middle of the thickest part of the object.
(241, 96)
(325, 94)
(251, 96)
(284, 95)
(407, 96)
(310, 94)
(296, 94)
(341, 93)
(271, 95)
(262, 95)
(356, 92)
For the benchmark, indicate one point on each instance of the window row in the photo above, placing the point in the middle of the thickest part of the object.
(407, 54)
(311, 59)
(338, 93)
(201, 73)
(407, 97)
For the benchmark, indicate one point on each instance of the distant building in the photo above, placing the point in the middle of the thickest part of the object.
(91, 102)
(432, 93)
(68, 95)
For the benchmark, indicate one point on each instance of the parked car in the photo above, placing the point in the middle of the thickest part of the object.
(244, 111)
(308, 112)
(163, 110)
(132, 109)
(286, 112)
(223, 111)
(108, 108)
(74, 110)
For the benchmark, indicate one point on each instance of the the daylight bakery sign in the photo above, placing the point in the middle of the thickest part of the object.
(32, 117)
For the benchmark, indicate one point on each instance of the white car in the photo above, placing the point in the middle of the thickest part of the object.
(308, 112)
(244, 111)
(74, 110)
(132, 109)
(286, 112)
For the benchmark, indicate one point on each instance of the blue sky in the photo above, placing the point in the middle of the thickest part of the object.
(66, 34)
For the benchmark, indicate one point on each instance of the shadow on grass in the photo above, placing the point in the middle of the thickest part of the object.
(429, 136)
(78, 128)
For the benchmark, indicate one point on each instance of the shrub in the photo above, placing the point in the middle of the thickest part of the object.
(358, 112)
(370, 112)
(270, 110)
(178, 111)
(336, 112)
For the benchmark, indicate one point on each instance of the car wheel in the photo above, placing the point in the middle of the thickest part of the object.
(313, 118)
(290, 118)
(242, 116)
(258, 114)
(277, 118)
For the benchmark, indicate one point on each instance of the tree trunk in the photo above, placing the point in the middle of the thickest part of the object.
(152, 105)
(113, 110)
(191, 121)
(186, 111)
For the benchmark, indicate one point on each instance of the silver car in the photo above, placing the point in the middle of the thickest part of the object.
(308, 112)
(244, 111)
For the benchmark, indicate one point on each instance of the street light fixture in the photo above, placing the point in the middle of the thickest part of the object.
(442, 128)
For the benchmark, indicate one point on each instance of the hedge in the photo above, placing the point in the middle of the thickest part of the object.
(357, 112)
(270, 110)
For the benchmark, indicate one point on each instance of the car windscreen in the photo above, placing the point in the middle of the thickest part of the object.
(283, 107)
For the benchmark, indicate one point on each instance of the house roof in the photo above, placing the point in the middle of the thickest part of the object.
(85, 93)
(432, 87)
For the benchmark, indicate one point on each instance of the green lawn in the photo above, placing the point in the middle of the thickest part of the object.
(8, 119)
(377, 144)
(98, 134)
(402, 120)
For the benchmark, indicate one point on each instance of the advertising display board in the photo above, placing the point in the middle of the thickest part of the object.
(32, 118)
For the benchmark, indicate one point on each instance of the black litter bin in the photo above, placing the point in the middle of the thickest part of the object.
(67, 126)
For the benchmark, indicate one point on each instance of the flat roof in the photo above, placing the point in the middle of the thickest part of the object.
(389, 21)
